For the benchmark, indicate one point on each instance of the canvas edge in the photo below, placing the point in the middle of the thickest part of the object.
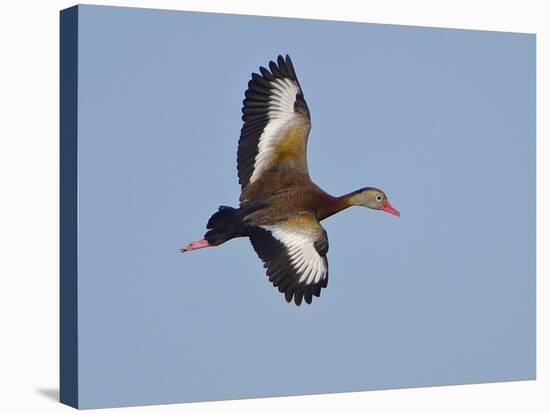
(68, 147)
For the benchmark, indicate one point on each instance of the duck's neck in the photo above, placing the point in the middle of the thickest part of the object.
(332, 205)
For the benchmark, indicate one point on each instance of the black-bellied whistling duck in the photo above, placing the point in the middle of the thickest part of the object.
(280, 207)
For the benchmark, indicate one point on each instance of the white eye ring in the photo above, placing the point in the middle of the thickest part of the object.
(379, 197)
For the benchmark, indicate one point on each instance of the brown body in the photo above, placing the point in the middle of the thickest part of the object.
(287, 193)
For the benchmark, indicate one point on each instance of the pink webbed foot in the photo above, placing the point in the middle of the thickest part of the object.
(195, 245)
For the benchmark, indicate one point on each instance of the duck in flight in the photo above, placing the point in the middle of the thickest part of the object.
(280, 206)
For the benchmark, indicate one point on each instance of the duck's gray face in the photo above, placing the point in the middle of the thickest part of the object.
(374, 198)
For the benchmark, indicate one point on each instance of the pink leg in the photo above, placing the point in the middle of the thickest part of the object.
(195, 245)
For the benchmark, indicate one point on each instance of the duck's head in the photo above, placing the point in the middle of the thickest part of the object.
(372, 198)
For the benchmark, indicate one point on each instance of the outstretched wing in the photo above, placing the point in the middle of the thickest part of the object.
(276, 123)
(294, 253)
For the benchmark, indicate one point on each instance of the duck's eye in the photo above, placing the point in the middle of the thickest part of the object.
(379, 197)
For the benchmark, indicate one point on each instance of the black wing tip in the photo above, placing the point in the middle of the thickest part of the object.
(293, 296)
(299, 294)
(259, 84)
(286, 60)
(281, 67)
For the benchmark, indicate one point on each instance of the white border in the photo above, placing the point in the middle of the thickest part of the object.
(29, 208)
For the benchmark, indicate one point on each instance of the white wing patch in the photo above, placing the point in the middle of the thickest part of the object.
(281, 117)
(304, 258)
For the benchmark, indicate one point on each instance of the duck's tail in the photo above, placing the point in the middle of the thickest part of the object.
(225, 224)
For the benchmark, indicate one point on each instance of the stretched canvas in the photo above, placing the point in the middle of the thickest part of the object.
(442, 120)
